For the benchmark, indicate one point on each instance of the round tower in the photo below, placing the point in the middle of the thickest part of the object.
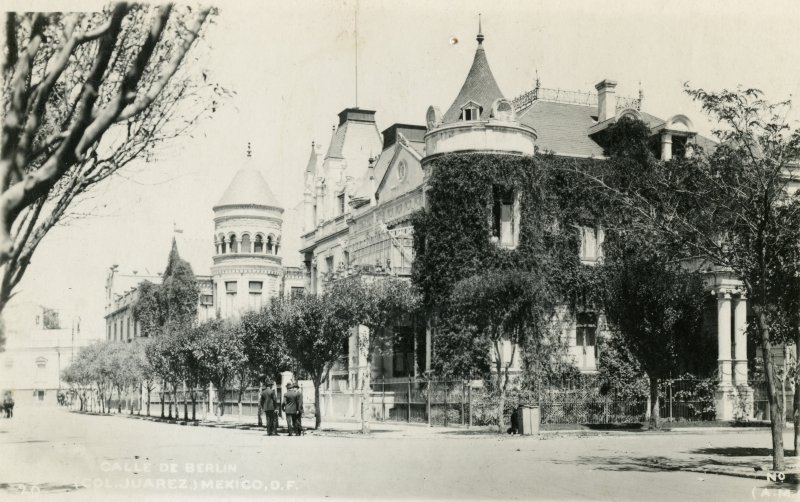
(247, 268)
(480, 119)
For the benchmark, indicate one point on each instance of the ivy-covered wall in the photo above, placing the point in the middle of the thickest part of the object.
(453, 237)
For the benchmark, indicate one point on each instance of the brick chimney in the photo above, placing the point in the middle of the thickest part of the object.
(606, 100)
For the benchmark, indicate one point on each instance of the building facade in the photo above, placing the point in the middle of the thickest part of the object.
(40, 343)
(358, 207)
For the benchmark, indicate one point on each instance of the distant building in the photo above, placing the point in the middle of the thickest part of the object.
(238, 269)
(40, 342)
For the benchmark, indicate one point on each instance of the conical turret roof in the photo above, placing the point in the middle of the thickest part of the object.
(248, 188)
(479, 87)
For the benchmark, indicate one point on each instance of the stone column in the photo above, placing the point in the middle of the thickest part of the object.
(740, 341)
(724, 395)
(724, 338)
(666, 146)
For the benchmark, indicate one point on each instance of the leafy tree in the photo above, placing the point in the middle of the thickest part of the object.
(379, 304)
(734, 207)
(72, 80)
(315, 327)
(264, 346)
(505, 306)
(220, 354)
(654, 308)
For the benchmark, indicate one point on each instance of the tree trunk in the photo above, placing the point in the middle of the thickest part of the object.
(161, 396)
(365, 398)
(796, 405)
(119, 400)
(148, 401)
(317, 408)
(260, 411)
(501, 395)
(185, 403)
(776, 420)
(239, 403)
(194, 404)
(654, 408)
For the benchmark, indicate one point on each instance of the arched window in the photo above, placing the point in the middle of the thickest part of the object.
(245, 243)
(270, 243)
(234, 244)
(258, 245)
(277, 244)
(222, 246)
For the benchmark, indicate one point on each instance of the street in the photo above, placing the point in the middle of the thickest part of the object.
(54, 454)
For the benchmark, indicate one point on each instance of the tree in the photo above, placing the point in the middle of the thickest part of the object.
(504, 306)
(220, 355)
(734, 207)
(85, 95)
(654, 308)
(315, 328)
(264, 345)
(379, 304)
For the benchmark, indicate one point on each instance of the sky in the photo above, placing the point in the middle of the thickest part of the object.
(294, 65)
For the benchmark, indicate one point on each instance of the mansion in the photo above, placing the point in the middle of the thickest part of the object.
(358, 204)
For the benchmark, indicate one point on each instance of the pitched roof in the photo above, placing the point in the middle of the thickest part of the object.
(248, 188)
(480, 87)
(562, 128)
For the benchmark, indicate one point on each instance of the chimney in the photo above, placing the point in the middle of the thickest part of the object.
(606, 100)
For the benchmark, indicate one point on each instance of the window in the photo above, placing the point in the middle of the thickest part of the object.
(41, 363)
(256, 287)
(471, 113)
(222, 244)
(402, 170)
(504, 218)
(591, 244)
(245, 243)
(231, 287)
(341, 203)
(258, 245)
(234, 244)
(129, 328)
(297, 292)
(270, 242)
(329, 264)
(586, 330)
(207, 299)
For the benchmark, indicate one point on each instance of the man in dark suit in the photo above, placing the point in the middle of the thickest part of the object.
(269, 403)
(293, 407)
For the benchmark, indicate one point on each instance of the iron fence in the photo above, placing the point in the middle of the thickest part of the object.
(578, 401)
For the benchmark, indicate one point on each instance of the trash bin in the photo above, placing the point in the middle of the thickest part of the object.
(528, 417)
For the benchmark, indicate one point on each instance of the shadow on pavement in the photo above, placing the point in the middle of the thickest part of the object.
(736, 451)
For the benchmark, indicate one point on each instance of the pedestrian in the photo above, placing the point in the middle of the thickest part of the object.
(8, 404)
(269, 403)
(293, 407)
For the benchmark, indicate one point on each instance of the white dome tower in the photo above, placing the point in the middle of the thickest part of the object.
(247, 267)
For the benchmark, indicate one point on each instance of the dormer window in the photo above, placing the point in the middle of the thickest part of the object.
(471, 111)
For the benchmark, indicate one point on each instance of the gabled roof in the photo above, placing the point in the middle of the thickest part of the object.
(248, 188)
(480, 87)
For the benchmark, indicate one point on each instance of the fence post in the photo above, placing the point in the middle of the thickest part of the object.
(408, 398)
(462, 402)
(670, 400)
(428, 401)
(383, 398)
(446, 423)
(469, 397)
